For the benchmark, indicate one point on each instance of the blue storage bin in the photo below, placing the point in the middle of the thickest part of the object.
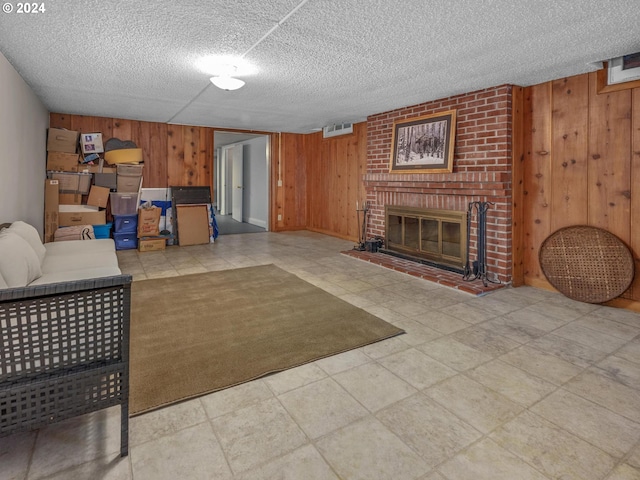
(102, 231)
(125, 241)
(125, 223)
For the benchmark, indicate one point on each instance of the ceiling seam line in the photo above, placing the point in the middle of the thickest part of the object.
(274, 28)
(271, 30)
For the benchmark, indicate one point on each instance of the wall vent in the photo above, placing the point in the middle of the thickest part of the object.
(337, 129)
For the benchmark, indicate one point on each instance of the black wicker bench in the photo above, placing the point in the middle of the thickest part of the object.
(64, 351)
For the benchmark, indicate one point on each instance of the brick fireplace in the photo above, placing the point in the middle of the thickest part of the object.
(481, 170)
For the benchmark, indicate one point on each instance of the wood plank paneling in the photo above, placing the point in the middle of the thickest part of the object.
(570, 115)
(635, 189)
(336, 167)
(537, 177)
(609, 160)
(517, 172)
(152, 138)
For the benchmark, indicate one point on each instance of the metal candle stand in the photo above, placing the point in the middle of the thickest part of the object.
(479, 268)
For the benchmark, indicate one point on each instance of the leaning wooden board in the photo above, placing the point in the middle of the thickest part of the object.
(188, 196)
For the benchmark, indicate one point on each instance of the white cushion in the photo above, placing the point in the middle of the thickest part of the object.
(70, 247)
(80, 274)
(19, 264)
(78, 261)
(31, 235)
(3, 284)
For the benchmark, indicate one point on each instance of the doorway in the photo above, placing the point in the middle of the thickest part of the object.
(241, 182)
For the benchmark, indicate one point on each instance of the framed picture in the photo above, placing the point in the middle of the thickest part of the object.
(424, 144)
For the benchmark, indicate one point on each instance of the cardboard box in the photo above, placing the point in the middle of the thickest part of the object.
(151, 244)
(72, 182)
(51, 193)
(69, 215)
(98, 196)
(62, 140)
(91, 143)
(123, 155)
(128, 184)
(193, 224)
(70, 199)
(62, 162)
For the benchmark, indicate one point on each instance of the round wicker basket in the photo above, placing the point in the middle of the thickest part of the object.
(586, 263)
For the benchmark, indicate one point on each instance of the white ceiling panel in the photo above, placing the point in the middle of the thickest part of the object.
(315, 62)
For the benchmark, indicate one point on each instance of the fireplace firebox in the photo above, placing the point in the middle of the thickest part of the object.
(437, 236)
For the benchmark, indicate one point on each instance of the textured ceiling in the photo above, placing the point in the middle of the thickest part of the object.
(329, 61)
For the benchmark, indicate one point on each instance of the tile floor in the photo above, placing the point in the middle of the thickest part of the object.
(519, 384)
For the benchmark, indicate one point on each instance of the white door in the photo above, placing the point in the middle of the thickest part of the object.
(237, 182)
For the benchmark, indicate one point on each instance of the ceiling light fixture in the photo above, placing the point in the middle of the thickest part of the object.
(225, 81)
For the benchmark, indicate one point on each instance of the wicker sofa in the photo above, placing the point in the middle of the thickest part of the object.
(64, 330)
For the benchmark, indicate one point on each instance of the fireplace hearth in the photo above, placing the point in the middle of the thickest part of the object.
(436, 237)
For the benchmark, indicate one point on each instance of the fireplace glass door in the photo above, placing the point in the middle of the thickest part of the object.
(435, 235)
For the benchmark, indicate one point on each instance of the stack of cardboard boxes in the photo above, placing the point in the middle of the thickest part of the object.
(78, 185)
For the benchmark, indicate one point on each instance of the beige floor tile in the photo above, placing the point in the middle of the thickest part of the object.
(570, 351)
(367, 450)
(560, 312)
(234, 398)
(541, 364)
(440, 322)
(488, 461)
(429, 429)
(433, 476)
(441, 299)
(416, 333)
(256, 434)
(322, 407)
(485, 340)
(110, 468)
(192, 453)
(515, 384)
(600, 389)
(416, 368)
(386, 347)
(293, 378)
(76, 441)
(374, 386)
(610, 327)
(164, 421)
(492, 305)
(619, 315)
(634, 458)
(405, 307)
(474, 403)
(343, 361)
(625, 472)
(630, 352)
(543, 317)
(15, 452)
(470, 312)
(609, 431)
(454, 354)
(303, 463)
(621, 370)
(589, 337)
(515, 329)
(554, 451)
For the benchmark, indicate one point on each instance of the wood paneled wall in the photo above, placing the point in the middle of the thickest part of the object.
(173, 154)
(581, 165)
(335, 170)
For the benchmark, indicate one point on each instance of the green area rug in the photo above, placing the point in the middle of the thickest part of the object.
(195, 334)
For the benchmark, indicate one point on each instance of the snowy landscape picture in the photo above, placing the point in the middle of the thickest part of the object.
(424, 144)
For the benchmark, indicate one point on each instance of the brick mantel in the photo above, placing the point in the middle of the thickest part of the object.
(481, 169)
